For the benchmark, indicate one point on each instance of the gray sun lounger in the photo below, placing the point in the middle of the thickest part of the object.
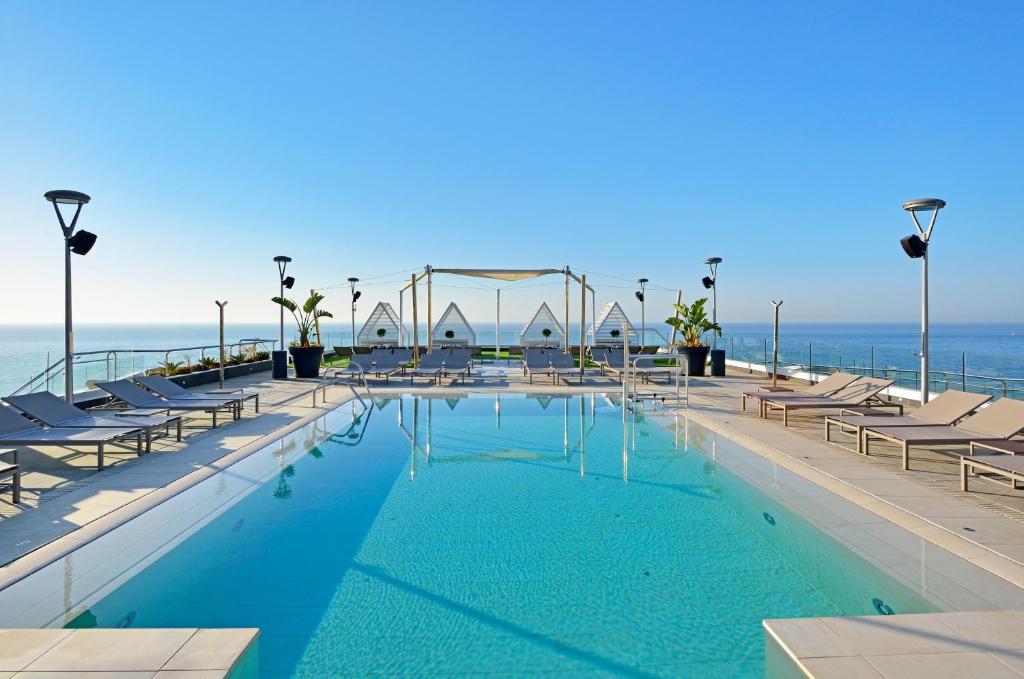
(431, 365)
(826, 387)
(997, 422)
(536, 362)
(161, 386)
(53, 411)
(863, 391)
(457, 366)
(1011, 467)
(563, 366)
(945, 409)
(16, 430)
(137, 397)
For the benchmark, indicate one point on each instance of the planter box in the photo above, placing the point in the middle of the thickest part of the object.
(210, 376)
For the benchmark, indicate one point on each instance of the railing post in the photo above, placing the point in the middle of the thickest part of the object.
(872, 360)
(963, 371)
(766, 354)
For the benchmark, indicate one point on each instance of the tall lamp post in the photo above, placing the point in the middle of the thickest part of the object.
(79, 243)
(711, 283)
(640, 294)
(356, 294)
(916, 247)
(280, 355)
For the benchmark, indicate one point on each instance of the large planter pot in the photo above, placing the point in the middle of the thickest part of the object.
(696, 358)
(306, 360)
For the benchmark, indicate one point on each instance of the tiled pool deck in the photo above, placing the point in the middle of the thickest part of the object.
(69, 504)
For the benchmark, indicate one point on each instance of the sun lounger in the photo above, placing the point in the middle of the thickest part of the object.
(385, 364)
(997, 422)
(862, 391)
(53, 411)
(563, 366)
(826, 387)
(945, 409)
(536, 362)
(457, 364)
(16, 430)
(137, 397)
(1010, 467)
(162, 386)
(11, 470)
(431, 365)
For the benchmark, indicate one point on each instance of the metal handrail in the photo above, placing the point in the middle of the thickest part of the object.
(681, 361)
(110, 358)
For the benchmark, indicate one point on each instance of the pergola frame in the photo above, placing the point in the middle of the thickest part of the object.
(496, 274)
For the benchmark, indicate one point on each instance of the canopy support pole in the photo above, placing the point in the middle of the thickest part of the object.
(415, 328)
(430, 312)
(401, 323)
(497, 326)
(583, 324)
(679, 300)
(568, 340)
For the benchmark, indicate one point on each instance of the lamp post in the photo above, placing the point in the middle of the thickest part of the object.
(79, 243)
(280, 355)
(356, 294)
(916, 247)
(220, 369)
(643, 315)
(711, 283)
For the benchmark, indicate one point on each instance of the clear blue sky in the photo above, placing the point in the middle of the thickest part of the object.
(364, 139)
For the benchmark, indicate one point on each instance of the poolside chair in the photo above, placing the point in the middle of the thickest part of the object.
(600, 355)
(16, 430)
(170, 389)
(457, 364)
(536, 362)
(53, 411)
(1010, 467)
(563, 366)
(431, 365)
(997, 422)
(12, 471)
(385, 364)
(944, 409)
(615, 363)
(863, 391)
(826, 387)
(137, 397)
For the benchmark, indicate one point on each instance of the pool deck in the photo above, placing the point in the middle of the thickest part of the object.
(69, 503)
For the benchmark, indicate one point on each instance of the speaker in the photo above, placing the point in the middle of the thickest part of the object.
(708, 281)
(914, 246)
(288, 282)
(639, 295)
(82, 242)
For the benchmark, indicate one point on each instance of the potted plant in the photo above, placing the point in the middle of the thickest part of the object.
(615, 334)
(546, 332)
(306, 355)
(380, 333)
(449, 335)
(693, 323)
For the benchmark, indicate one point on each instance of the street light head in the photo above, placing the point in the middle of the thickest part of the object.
(713, 260)
(281, 259)
(356, 295)
(353, 279)
(922, 204)
(641, 281)
(708, 282)
(82, 242)
(914, 246)
(68, 197)
(288, 282)
(639, 295)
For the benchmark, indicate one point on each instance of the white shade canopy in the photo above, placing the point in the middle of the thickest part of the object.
(533, 332)
(611, 318)
(453, 320)
(383, 318)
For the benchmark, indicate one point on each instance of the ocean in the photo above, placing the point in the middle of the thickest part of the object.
(988, 349)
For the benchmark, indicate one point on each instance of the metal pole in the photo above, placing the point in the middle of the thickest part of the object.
(679, 300)
(415, 328)
(497, 325)
(69, 334)
(963, 372)
(583, 324)
(430, 310)
(568, 340)
(714, 306)
(810, 362)
(924, 327)
(872, 360)
(401, 323)
(775, 345)
(221, 305)
(352, 313)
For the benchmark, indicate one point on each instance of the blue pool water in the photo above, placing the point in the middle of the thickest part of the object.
(470, 535)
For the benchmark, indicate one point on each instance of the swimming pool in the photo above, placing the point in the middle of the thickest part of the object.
(514, 533)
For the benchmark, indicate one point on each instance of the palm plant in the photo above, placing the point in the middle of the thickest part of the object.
(381, 332)
(546, 332)
(449, 334)
(693, 322)
(305, 316)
